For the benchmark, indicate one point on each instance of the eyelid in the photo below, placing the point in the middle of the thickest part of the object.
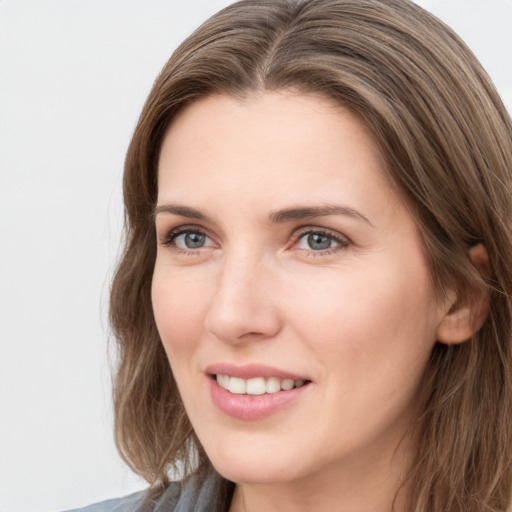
(169, 235)
(336, 235)
(343, 240)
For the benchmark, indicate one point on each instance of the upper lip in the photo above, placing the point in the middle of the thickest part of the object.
(250, 371)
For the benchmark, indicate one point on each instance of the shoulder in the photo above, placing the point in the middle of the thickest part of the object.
(199, 493)
(131, 503)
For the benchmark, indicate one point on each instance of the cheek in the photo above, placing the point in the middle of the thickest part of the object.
(371, 338)
(179, 307)
(369, 316)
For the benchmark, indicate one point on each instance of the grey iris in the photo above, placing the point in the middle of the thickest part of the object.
(318, 242)
(194, 240)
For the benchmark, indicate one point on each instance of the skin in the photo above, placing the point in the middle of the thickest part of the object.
(359, 319)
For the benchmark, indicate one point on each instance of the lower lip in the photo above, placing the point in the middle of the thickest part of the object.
(253, 407)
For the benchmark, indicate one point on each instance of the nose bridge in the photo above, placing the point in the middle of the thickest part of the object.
(243, 301)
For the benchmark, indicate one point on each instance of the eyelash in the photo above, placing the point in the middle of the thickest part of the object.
(170, 238)
(342, 241)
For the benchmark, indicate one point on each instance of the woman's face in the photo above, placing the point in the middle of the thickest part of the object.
(286, 259)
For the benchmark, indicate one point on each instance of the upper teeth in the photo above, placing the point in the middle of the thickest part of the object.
(256, 386)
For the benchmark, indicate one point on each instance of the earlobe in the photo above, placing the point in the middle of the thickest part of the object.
(465, 316)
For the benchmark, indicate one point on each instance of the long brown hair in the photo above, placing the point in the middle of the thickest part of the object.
(448, 141)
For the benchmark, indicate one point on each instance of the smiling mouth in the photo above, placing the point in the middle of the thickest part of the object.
(257, 385)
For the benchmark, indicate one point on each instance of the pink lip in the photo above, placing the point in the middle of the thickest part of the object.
(252, 407)
(250, 371)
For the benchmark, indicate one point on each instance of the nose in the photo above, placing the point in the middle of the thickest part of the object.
(244, 306)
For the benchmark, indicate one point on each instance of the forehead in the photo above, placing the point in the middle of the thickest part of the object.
(274, 137)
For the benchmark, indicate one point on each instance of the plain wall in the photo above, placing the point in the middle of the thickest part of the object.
(73, 77)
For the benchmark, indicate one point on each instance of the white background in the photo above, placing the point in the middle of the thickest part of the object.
(73, 77)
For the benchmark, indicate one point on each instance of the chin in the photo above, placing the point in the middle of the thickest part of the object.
(256, 468)
(244, 473)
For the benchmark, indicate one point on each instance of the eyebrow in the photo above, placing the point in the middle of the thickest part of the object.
(182, 211)
(277, 217)
(306, 212)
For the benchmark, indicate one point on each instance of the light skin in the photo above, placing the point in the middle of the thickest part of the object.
(282, 242)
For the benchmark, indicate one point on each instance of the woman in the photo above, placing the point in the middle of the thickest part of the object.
(313, 307)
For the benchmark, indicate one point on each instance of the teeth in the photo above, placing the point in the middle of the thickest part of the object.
(237, 386)
(257, 385)
(287, 384)
(223, 380)
(273, 385)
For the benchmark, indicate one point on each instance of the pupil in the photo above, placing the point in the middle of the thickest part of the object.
(318, 242)
(194, 240)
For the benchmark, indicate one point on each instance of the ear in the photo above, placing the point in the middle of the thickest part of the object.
(468, 309)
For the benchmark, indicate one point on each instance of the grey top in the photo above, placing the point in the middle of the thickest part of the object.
(210, 493)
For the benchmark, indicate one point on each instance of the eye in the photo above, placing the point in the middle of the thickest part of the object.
(192, 240)
(317, 240)
(188, 239)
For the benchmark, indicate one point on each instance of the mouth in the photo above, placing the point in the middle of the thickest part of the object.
(255, 391)
(257, 385)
